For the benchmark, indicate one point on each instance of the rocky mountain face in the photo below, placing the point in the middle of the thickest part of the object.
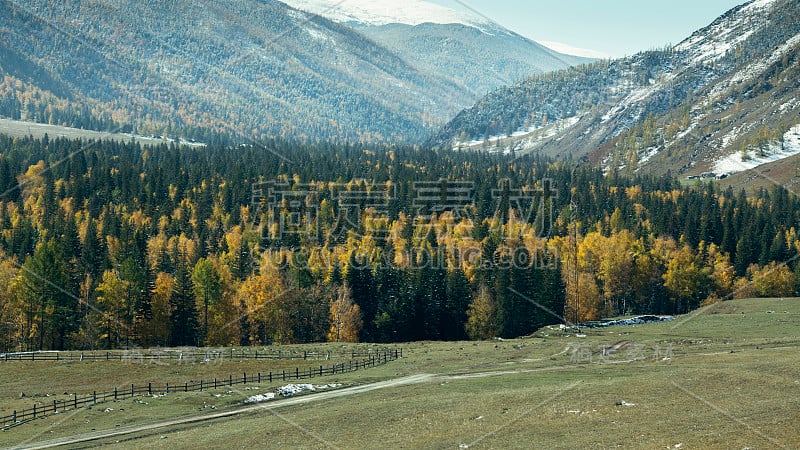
(730, 88)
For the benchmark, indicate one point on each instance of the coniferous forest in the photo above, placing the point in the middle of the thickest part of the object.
(115, 245)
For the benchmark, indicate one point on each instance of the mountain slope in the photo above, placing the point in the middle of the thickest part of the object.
(246, 67)
(478, 59)
(472, 51)
(728, 86)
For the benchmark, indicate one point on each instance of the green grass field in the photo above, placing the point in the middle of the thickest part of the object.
(727, 376)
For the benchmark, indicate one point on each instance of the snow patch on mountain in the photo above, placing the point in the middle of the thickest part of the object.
(755, 68)
(384, 12)
(522, 139)
(574, 51)
(724, 34)
(775, 152)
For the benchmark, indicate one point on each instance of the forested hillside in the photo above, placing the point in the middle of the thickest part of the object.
(108, 244)
(479, 60)
(479, 55)
(242, 68)
(728, 89)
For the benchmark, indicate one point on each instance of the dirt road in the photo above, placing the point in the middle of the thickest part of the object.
(120, 432)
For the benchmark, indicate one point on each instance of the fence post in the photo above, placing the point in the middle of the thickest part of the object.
(150, 388)
(167, 388)
(320, 370)
(186, 386)
(75, 399)
(115, 392)
(305, 355)
(201, 385)
(256, 354)
(14, 416)
(297, 373)
(107, 356)
(94, 397)
(132, 391)
(259, 377)
(34, 410)
(244, 377)
(270, 376)
(55, 407)
(230, 380)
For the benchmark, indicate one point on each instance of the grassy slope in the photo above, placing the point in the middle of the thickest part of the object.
(19, 128)
(731, 382)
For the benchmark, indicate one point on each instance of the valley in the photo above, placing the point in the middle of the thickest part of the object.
(371, 224)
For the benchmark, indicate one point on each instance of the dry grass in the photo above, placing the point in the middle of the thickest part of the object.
(725, 377)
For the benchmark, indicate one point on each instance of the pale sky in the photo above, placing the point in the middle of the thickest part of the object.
(613, 27)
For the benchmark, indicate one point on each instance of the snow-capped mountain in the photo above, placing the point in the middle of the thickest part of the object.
(728, 89)
(242, 68)
(567, 49)
(254, 68)
(377, 12)
(479, 55)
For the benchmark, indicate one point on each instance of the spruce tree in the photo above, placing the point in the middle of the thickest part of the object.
(183, 312)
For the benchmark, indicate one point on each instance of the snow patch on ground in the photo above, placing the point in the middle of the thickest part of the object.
(289, 390)
(640, 320)
(260, 398)
(733, 162)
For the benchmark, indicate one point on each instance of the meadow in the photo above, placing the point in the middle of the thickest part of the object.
(725, 376)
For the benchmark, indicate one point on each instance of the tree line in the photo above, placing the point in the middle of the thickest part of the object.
(109, 244)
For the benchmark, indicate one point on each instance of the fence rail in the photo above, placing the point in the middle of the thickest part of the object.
(189, 355)
(58, 406)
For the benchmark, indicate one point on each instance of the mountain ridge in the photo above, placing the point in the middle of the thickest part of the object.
(478, 54)
(251, 69)
(376, 13)
(660, 110)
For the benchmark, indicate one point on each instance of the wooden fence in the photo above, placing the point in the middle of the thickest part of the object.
(58, 406)
(188, 355)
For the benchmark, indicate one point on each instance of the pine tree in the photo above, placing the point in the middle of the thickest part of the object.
(50, 297)
(359, 279)
(455, 310)
(183, 313)
(207, 290)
